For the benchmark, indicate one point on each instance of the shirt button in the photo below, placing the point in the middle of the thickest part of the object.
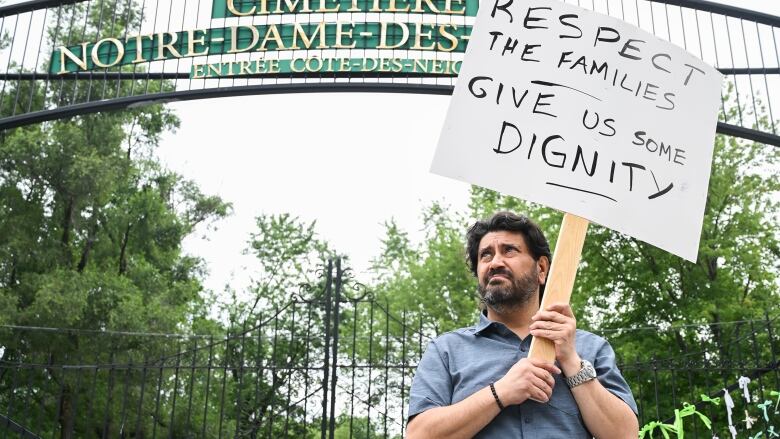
(522, 348)
(527, 420)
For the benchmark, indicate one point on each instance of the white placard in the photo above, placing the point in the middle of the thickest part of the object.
(586, 114)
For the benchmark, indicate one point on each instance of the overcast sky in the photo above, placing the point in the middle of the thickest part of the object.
(350, 161)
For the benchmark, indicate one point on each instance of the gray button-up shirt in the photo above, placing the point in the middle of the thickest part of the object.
(460, 363)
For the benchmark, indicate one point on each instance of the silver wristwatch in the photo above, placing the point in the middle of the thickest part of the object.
(586, 373)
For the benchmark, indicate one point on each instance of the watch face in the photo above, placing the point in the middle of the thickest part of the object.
(590, 371)
(587, 372)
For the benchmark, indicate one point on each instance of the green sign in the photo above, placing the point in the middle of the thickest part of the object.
(243, 8)
(112, 52)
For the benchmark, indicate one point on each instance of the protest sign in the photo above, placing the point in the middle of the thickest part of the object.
(586, 114)
(589, 115)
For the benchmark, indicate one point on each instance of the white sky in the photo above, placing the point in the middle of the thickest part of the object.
(350, 161)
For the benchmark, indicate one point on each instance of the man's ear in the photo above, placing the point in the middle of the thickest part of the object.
(543, 264)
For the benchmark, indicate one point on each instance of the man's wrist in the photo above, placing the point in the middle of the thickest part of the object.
(502, 393)
(571, 366)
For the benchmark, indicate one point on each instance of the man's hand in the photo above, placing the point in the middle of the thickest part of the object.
(557, 324)
(528, 378)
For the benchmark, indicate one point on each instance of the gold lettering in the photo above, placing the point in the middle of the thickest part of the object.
(431, 7)
(392, 8)
(445, 67)
(191, 41)
(162, 47)
(260, 66)
(448, 7)
(120, 48)
(375, 7)
(244, 67)
(344, 64)
(422, 64)
(383, 35)
(341, 33)
(298, 31)
(80, 62)
(397, 65)
(311, 62)
(456, 67)
(272, 34)
(232, 8)
(292, 5)
(323, 8)
(384, 64)
(229, 68)
(263, 8)
(418, 34)
(216, 68)
(234, 31)
(198, 71)
(294, 65)
(437, 66)
(273, 66)
(354, 7)
(447, 36)
(139, 47)
(366, 68)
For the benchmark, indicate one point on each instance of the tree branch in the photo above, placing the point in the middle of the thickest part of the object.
(123, 251)
(90, 242)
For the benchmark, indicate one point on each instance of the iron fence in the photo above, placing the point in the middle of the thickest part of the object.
(334, 362)
(698, 363)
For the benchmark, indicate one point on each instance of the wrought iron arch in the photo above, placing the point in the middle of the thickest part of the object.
(741, 43)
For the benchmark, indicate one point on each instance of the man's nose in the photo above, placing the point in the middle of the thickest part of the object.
(497, 261)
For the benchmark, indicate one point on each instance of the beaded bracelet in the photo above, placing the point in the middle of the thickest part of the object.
(495, 395)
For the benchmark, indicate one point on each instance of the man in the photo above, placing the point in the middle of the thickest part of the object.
(478, 381)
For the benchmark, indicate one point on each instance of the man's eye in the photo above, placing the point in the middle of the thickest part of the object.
(485, 255)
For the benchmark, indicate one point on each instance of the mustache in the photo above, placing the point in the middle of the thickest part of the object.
(501, 271)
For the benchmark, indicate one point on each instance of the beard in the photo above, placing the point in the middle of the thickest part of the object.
(508, 296)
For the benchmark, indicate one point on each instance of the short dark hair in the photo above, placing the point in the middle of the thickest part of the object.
(510, 222)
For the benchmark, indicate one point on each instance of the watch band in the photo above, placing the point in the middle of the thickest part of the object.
(586, 373)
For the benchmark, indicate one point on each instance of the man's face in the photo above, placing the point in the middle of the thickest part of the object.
(508, 275)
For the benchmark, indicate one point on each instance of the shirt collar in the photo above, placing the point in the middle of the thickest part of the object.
(484, 323)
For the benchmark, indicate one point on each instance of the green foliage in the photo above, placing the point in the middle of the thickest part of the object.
(428, 280)
(91, 228)
(290, 258)
(278, 326)
(356, 428)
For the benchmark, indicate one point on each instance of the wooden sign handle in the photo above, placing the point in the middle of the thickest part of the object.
(560, 280)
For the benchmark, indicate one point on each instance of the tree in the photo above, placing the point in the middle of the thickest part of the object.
(430, 279)
(91, 229)
(277, 329)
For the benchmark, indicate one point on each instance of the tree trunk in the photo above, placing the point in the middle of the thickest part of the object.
(123, 251)
(67, 224)
(680, 341)
(89, 244)
(12, 279)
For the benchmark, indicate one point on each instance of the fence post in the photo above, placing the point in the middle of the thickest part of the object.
(326, 361)
(335, 347)
(768, 322)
